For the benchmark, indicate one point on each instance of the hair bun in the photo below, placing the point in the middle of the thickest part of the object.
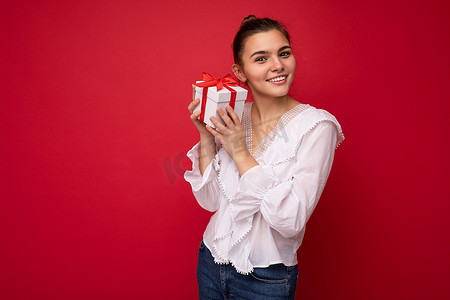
(248, 19)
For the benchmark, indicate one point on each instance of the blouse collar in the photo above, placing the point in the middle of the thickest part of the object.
(281, 123)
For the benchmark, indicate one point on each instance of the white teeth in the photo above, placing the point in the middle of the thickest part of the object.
(277, 79)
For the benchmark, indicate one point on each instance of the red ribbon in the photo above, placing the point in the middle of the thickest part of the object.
(220, 82)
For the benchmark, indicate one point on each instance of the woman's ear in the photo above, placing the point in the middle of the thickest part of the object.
(237, 71)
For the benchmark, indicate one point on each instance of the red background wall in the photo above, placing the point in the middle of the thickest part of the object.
(94, 129)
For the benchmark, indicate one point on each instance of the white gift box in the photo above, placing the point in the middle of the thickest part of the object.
(216, 99)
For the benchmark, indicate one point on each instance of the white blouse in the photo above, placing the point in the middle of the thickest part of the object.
(260, 217)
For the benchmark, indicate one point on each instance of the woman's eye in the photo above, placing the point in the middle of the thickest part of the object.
(285, 54)
(260, 59)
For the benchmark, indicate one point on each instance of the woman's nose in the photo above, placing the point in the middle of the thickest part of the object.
(276, 64)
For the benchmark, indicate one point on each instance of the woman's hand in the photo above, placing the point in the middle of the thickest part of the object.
(231, 136)
(204, 133)
(207, 143)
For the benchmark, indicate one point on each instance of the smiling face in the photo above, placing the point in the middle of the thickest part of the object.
(268, 64)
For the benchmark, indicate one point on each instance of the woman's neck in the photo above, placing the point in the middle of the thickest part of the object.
(269, 109)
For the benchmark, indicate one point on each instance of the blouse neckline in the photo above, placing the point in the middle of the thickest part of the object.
(281, 123)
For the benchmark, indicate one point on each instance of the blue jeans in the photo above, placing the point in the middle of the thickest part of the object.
(224, 282)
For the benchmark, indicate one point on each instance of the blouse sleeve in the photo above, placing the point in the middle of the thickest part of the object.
(205, 188)
(287, 205)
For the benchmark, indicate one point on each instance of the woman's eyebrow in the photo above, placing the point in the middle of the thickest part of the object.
(267, 52)
(284, 48)
(259, 52)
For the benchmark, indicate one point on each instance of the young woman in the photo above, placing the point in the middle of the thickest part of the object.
(263, 176)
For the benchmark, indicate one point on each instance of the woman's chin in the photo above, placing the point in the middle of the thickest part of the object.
(278, 93)
(272, 92)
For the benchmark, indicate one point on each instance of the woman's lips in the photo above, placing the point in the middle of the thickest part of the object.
(278, 80)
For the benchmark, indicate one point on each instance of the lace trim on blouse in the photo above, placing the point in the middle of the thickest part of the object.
(267, 141)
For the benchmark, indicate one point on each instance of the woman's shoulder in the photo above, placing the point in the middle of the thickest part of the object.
(282, 142)
(306, 119)
(311, 117)
(313, 114)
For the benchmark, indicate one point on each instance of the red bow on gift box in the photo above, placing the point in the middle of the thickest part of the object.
(220, 82)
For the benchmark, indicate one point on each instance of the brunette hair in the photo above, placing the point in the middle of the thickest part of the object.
(250, 26)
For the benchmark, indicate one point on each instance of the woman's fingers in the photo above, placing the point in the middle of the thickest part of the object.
(233, 115)
(218, 125)
(225, 118)
(212, 131)
(195, 115)
(193, 104)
